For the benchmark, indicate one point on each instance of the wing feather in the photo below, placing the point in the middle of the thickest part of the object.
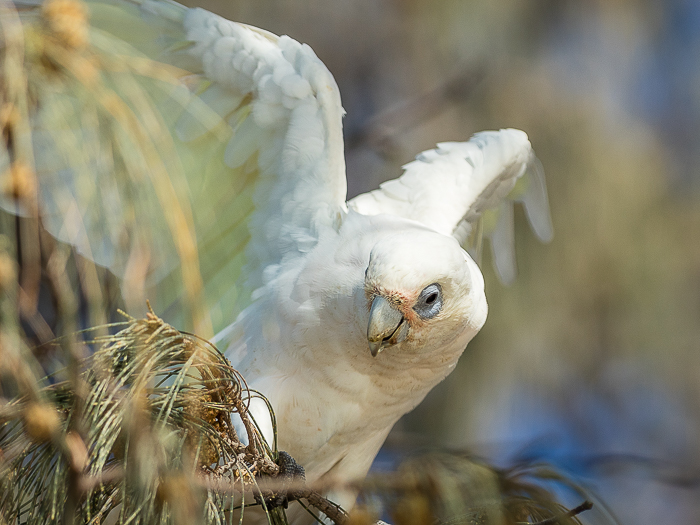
(245, 126)
(450, 189)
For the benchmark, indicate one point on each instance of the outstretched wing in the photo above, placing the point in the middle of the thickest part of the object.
(455, 186)
(187, 144)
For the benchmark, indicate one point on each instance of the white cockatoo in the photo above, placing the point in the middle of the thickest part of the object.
(343, 314)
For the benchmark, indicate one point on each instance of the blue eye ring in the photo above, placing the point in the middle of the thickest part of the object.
(429, 301)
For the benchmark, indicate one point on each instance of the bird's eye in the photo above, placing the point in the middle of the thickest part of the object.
(429, 301)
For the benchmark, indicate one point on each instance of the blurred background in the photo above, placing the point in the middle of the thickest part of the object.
(591, 359)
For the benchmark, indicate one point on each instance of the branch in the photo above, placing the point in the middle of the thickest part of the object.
(554, 520)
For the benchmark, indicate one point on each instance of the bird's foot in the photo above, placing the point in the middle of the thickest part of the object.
(291, 478)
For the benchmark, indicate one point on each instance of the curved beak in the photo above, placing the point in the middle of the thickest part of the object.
(386, 327)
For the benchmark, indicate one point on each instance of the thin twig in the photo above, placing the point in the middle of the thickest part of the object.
(295, 491)
(334, 511)
(554, 520)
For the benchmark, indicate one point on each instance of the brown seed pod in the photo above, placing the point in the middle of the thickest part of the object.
(41, 422)
(68, 21)
(8, 271)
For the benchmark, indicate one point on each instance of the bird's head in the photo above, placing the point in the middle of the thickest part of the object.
(422, 288)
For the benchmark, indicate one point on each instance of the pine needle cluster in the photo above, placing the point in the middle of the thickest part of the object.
(153, 431)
